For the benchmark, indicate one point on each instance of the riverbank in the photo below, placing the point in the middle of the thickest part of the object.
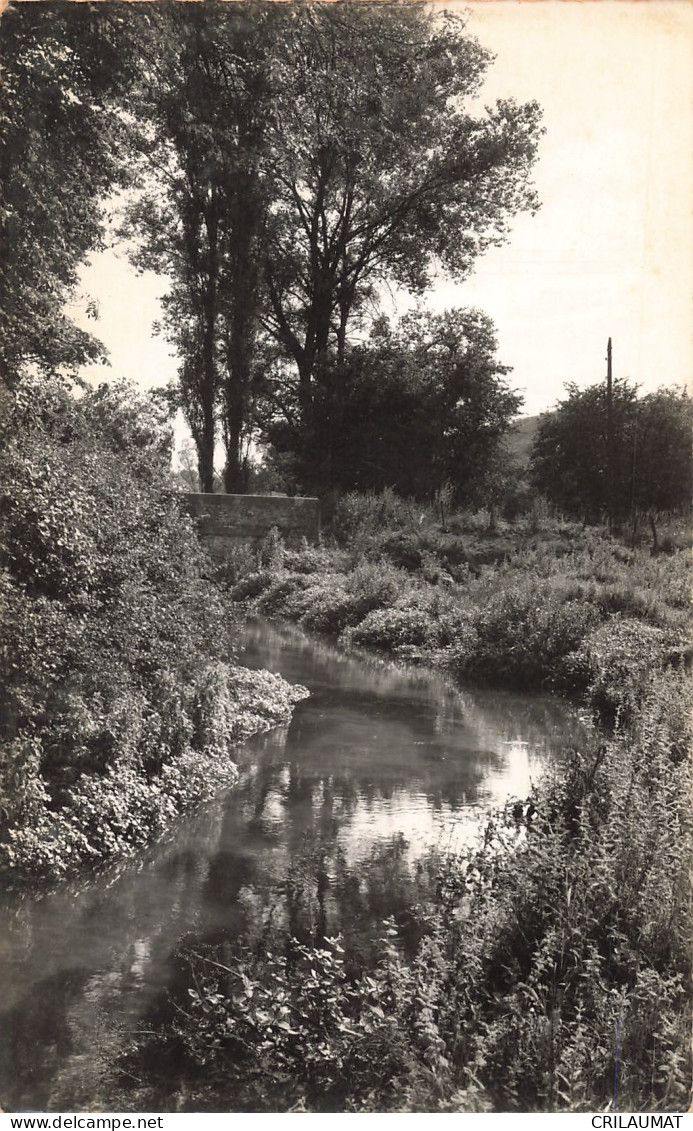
(311, 834)
(566, 610)
(120, 697)
(558, 946)
(110, 817)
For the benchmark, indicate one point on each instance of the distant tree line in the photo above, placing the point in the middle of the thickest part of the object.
(649, 469)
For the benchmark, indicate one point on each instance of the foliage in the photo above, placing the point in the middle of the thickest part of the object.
(202, 99)
(119, 701)
(329, 603)
(272, 550)
(563, 609)
(523, 634)
(527, 959)
(62, 143)
(510, 968)
(651, 466)
(298, 1028)
(379, 171)
(364, 513)
(294, 157)
(389, 629)
(431, 387)
(616, 661)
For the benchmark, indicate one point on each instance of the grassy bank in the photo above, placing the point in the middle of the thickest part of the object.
(548, 606)
(517, 974)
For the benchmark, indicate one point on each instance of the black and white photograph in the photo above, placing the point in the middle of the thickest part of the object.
(346, 461)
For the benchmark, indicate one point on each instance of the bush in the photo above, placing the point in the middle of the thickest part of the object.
(313, 559)
(389, 629)
(116, 643)
(523, 635)
(617, 663)
(282, 587)
(404, 549)
(240, 560)
(358, 515)
(336, 602)
(252, 585)
(272, 550)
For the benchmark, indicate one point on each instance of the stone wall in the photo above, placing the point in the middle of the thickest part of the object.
(225, 520)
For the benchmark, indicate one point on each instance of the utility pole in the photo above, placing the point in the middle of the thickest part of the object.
(609, 440)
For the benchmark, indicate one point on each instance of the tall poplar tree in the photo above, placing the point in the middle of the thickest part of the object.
(202, 101)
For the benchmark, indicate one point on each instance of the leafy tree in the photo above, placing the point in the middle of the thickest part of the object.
(301, 154)
(420, 405)
(662, 461)
(378, 171)
(99, 567)
(61, 140)
(569, 453)
(203, 100)
(651, 463)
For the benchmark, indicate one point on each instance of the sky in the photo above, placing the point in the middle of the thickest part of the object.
(609, 254)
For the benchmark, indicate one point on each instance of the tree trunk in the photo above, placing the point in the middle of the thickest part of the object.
(235, 478)
(208, 317)
(205, 458)
(236, 406)
(235, 471)
(207, 439)
(239, 358)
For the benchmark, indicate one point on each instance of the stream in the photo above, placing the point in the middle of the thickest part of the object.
(377, 752)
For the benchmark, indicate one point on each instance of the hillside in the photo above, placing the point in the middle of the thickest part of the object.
(521, 438)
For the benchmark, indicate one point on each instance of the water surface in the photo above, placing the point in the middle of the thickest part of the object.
(375, 751)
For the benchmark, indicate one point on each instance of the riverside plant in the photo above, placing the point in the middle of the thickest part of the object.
(525, 963)
(121, 698)
(559, 945)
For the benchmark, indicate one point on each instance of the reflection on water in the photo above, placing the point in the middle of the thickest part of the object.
(376, 751)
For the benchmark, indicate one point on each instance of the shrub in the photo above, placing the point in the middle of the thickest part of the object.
(272, 550)
(240, 560)
(252, 585)
(329, 610)
(336, 602)
(115, 664)
(283, 588)
(358, 515)
(389, 629)
(524, 634)
(313, 559)
(373, 584)
(404, 549)
(617, 662)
